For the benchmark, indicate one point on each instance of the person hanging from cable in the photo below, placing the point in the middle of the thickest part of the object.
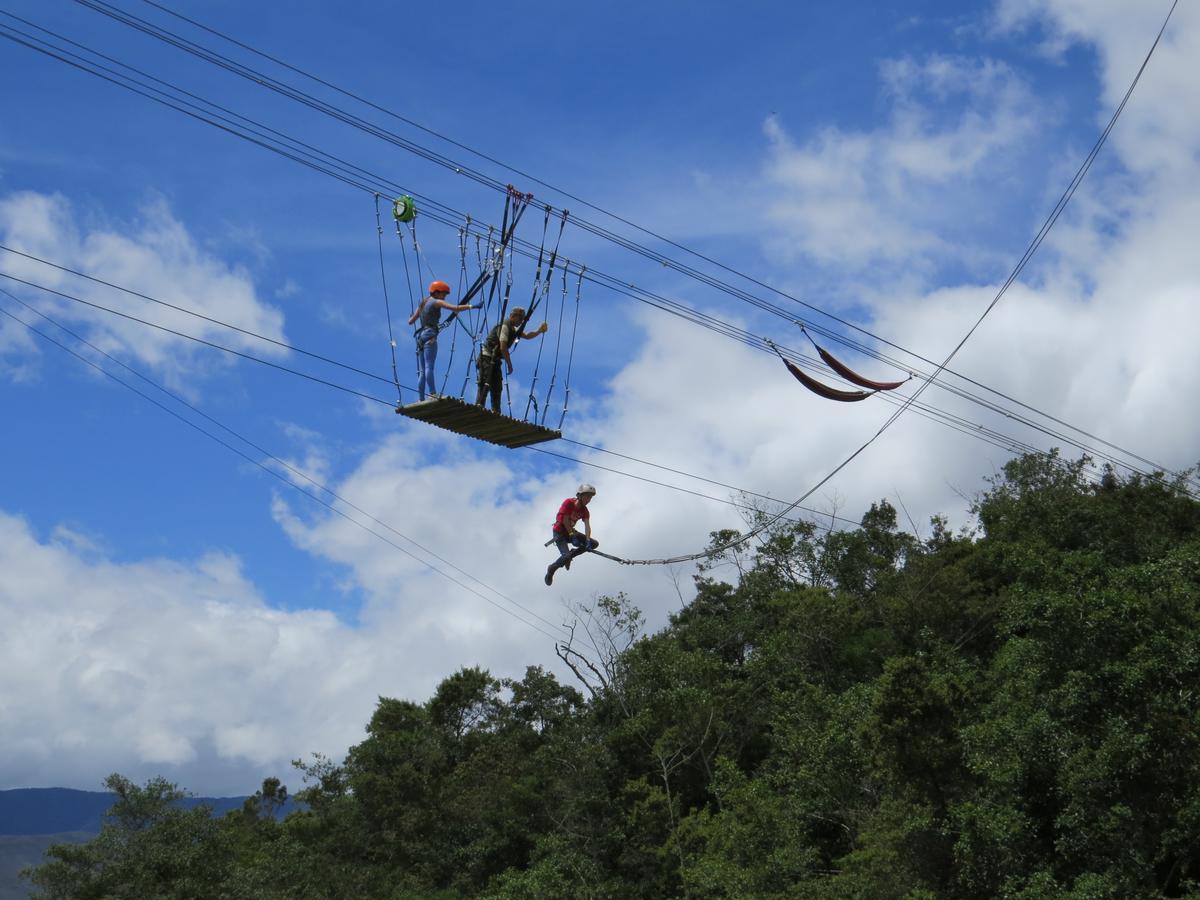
(429, 311)
(495, 350)
(565, 537)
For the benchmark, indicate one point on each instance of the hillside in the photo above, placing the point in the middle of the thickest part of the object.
(34, 819)
(1007, 711)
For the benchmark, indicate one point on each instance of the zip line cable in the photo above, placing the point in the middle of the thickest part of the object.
(279, 462)
(1048, 224)
(610, 283)
(1061, 205)
(216, 58)
(997, 440)
(190, 312)
(815, 513)
(957, 423)
(347, 173)
(206, 343)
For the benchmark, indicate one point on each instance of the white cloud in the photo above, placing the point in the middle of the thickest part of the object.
(161, 666)
(17, 348)
(184, 668)
(1159, 132)
(881, 196)
(155, 256)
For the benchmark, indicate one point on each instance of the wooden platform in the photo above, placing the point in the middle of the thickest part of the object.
(477, 422)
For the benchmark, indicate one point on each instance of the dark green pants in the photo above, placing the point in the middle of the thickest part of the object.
(490, 380)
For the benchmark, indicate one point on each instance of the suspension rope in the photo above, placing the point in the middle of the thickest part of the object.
(462, 277)
(1032, 248)
(571, 355)
(533, 301)
(387, 306)
(354, 176)
(558, 337)
(297, 152)
(276, 469)
(541, 289)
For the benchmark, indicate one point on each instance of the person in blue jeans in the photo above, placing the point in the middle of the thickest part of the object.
(571, 543)
(429, 311)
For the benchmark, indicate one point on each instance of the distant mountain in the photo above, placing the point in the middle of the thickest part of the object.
(30, 811)
(31, 819)
(18, 852)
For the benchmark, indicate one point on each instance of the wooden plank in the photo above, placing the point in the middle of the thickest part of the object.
(474, 421)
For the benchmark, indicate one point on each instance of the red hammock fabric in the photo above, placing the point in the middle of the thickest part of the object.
(850, 375)
(824, 390)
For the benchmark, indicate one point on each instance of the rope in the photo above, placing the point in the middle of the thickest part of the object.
(543, 288)
(571, 355)
(483, 311)
(462, 277)
(387, 306)
(1048, 224)
(562, 311)
(354, 176)
(272, 470)
(533, 302)
(412, 300)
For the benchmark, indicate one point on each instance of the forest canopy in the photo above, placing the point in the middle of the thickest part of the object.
(1008, 710)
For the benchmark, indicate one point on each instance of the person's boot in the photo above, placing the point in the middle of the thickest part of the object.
(550, 573)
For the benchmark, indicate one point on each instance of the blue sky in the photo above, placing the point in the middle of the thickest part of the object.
(174, 609)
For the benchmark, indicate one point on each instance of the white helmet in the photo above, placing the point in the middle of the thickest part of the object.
(585, 488)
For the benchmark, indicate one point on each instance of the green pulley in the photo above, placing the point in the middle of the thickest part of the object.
(404, 209)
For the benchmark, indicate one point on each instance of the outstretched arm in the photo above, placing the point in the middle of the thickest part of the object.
(540, 330)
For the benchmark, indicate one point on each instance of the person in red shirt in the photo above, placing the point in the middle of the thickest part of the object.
(565, 537)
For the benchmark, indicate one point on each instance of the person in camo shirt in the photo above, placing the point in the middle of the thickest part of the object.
(495, 349)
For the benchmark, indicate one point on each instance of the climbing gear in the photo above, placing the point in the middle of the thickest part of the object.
(404, 209)
(585, 488)
(436, 287)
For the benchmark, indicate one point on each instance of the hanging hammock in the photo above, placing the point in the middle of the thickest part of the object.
(850, 375)
(824, 390)
(846, 372)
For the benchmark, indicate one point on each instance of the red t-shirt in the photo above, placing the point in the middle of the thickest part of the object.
(569, 513)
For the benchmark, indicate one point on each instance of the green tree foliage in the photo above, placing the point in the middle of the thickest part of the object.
(147, 847)
(1012, 710)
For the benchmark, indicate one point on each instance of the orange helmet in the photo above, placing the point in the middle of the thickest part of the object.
(436, 287)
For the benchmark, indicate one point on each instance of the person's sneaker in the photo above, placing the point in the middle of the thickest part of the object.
(549, 579)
